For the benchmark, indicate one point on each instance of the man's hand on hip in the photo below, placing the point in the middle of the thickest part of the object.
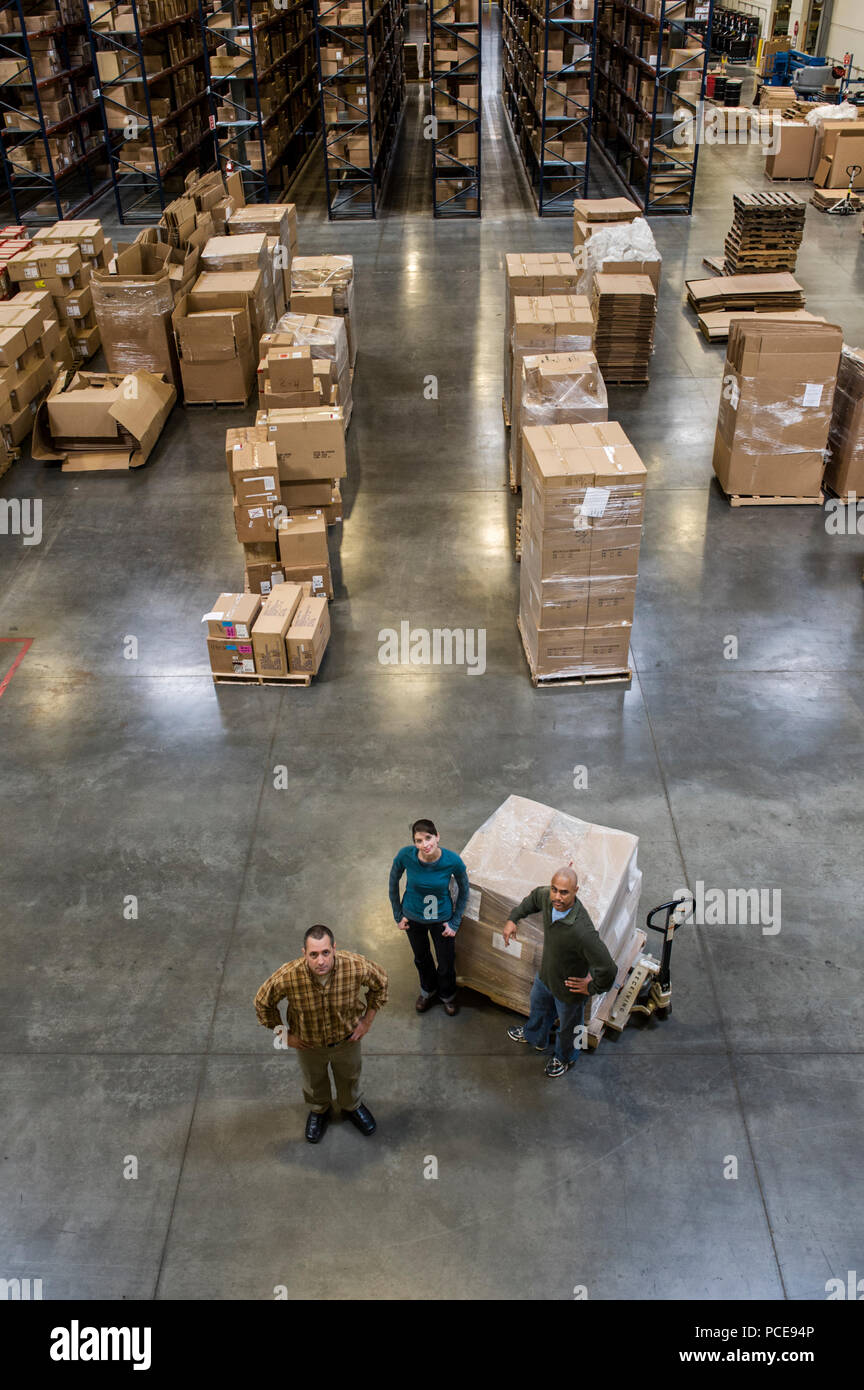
(577, 985)
(363, 1026)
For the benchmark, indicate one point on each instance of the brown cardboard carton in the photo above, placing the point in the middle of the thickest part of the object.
(607, 648)
(791, 160)
(232, 615)
(255, 475)
(271, 628)
(611, 600)
(96, 420)
(316, 492)
(844, 473)
(775, 407)
(302, 542)
(215, 347)
(309, 443)
(308, 636)
(255, 522)
(262, 576)
(231, 657)
(290, 369)
(318, 576)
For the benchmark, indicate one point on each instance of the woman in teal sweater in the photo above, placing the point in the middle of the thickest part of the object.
(426, 909)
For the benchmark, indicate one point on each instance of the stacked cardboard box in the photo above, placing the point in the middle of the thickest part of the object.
(844, 473)
(547, 323)
(625, 309)
(794, 142)
(278, 222)
(134, 300)
(760, 294)
(555, 388)
(291, 378)
(325, 285)
(13, 240)
(589, 213)
(31, 354)
(775, 408)
(60, 268)
(326, 336)
(519, 848)
(583, 501)
(216, 343)
(283, 633)
(247, 255)
(533, 276)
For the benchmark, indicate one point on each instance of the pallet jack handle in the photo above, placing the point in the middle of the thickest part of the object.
(668, 928)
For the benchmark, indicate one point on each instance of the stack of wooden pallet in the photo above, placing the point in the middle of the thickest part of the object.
(826, 199)
(765, 234)
(625, 309)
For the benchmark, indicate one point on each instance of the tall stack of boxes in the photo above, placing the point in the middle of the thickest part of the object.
(325, 285)
(61, 259)
(134, 300)
(551, 323)
(282, 634)
(327, 339)
(555, 388)
(533, 276)
(583, 504)
(844, 472)
(776, 407)
(31, 354)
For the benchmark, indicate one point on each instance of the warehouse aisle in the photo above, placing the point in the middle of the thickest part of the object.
(154, 875)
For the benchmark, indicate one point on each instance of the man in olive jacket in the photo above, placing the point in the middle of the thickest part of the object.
(575, 964)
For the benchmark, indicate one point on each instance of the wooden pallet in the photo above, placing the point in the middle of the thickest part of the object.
(218, 405)
(514, 486)
(262, 680)
(506, 413)
(736, 499)
(623, 676)
(616, 381)
(518, 546)
(597, 1027)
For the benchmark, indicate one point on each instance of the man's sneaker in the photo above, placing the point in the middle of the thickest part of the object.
(518, 1035)
(554, 1067)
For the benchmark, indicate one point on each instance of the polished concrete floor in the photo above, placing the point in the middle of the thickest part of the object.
(138, 1037)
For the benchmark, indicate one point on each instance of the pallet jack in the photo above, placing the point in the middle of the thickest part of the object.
(647, 989)
(849, 204)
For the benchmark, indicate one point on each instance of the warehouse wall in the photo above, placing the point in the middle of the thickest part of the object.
(846, 34)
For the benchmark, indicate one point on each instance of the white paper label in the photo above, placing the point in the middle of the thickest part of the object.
(255, 512)
(73, 311)
(31, 272)
(62, 267)
(277, 578)
(595, 501)
(249, 666)
(241, 630)
(87, 248)
(813, 393)
(514, 949)
(473, 908)
(270, 484)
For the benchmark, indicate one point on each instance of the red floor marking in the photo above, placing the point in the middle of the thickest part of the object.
(28, 643)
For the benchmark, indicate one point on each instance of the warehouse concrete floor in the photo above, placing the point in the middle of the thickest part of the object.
(137, 1038)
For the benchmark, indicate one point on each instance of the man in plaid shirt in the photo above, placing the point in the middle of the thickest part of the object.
(326, 1016)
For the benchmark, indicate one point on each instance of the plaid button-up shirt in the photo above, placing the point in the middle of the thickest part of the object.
(322, 1014)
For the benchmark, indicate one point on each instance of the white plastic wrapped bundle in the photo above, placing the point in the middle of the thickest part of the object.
(817, 115)
(518, 849)
(327, 337)
(555, 388)
(617, 242)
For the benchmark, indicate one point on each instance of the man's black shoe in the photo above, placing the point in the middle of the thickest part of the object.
(316, 1124)
(362, 1118)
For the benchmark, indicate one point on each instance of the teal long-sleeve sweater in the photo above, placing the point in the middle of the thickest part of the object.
(427, 887)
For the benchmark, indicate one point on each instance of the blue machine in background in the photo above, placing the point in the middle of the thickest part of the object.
(808, 75)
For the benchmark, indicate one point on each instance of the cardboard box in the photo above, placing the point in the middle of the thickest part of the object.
(254, 522)
(99, 420)
(795, 141)
(518, 848)
(308, 636)
(231, 657)
(775, 407)
(290, 369)
(302, 543)
(213, 289)
(844, 473)
(215, 347)
(134, 306)
(232, 615)
(271, 629)
(262, 576)
(555, 388)
(255, 475)
(310, 443)
(318, 576)
(315, 492)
